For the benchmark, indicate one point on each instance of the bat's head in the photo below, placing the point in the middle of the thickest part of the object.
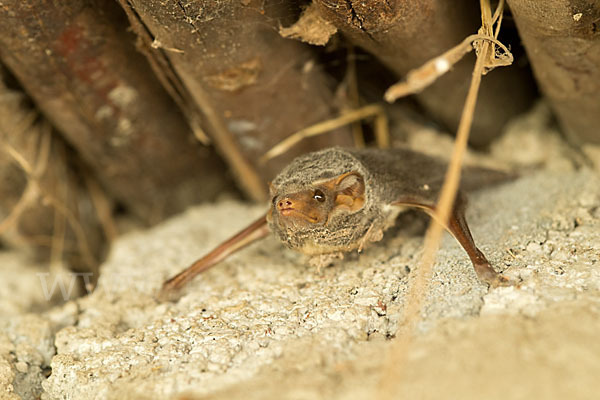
(319, 202)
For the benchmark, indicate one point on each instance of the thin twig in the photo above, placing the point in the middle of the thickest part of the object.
(30, 194)
(164, 71)
(372, 110)
(33, 192)
(497, 18)
(201, 108)
(57, 246)
(103, 207)
(247, 174)
(80, 236)
(353, 97)
(420, 78)
(392, 373)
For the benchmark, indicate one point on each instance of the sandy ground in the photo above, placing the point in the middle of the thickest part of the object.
(265, 325)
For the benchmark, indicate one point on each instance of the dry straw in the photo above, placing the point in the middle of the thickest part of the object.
(487, 58)
(36, 193)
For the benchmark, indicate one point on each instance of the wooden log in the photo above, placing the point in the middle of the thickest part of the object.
(79, 63)
(562, 40)
(251, 87)
(404, 34)
(44, 204)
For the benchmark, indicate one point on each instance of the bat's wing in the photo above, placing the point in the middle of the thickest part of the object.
(257, 230)
(457, 225)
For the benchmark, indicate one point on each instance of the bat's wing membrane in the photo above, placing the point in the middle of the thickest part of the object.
(457, 226)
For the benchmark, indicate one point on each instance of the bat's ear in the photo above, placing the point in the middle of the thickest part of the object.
(349, 192)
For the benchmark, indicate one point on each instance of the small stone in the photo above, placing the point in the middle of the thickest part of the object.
(22, 367)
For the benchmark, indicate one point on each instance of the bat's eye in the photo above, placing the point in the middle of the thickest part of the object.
(319, 196)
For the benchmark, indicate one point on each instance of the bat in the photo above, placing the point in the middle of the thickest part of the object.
(334, 201)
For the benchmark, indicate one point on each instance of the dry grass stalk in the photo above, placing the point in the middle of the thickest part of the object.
(371, 111)
(248, 176)
(392, 372)
(43, 207)
(420, 78)
(35, 193)
(31, 192)
(354, 97)
(103, 207)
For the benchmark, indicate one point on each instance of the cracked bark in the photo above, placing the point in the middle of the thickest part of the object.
(405, 34)
(562, 39)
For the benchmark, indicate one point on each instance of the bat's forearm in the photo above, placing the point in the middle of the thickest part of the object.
(257, 230)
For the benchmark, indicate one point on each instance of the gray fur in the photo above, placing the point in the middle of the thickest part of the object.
(392, 175)
(342, 230)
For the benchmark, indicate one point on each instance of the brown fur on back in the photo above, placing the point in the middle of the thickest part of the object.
(389, 175)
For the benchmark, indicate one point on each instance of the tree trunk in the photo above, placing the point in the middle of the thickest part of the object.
(562, 39)
(77, 60)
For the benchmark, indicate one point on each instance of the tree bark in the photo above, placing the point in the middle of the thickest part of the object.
(78, 62)
(562, 39)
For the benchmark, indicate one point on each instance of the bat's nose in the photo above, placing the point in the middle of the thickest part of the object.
(285, 203)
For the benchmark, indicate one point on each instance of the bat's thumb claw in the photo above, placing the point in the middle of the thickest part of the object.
(500, 281)
(486, 274)
(168, 294)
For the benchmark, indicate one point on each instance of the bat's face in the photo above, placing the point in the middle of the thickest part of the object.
(304, 208)
(319, 202)
(316, 210)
